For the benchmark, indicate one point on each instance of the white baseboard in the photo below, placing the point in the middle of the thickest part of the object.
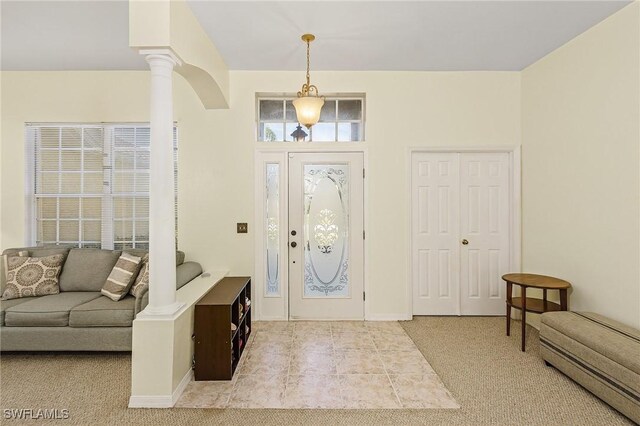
(161, 401)
(150, 401)
(181, 387)
(389, 317)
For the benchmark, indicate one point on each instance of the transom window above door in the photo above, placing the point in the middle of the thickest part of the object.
(341, 120)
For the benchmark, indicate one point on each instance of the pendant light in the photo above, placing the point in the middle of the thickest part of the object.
(308, 104)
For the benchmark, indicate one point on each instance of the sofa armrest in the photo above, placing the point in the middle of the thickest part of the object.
(141, 302)
(185, 273)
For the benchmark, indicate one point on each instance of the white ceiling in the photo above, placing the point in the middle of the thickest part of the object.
(351, 35)
(395, 35)
(67, 35)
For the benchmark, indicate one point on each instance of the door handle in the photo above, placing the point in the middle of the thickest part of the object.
(294, 244)
(465, 242)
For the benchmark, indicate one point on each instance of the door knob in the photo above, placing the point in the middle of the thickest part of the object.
(465, 242)
(294, 244)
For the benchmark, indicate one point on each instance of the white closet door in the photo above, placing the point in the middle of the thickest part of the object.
(484, 212)
(460, 232)
(435, 224)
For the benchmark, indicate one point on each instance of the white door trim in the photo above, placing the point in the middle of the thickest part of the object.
(515, 189)
(262, 154)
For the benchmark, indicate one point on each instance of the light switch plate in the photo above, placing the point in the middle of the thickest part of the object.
(242, 228)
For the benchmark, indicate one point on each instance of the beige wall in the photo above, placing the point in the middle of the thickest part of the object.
(216, 151)
(581, 173)
(580, 134)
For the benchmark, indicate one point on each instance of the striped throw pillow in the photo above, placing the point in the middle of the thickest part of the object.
(121, 277)
(142, 282)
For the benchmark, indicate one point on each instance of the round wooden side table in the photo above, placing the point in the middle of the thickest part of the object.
(530, 304)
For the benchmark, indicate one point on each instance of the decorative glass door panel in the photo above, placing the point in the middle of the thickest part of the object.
(272, 228)
(326, 265)
(326, 230)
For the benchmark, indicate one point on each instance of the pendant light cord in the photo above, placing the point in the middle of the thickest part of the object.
(308, 76)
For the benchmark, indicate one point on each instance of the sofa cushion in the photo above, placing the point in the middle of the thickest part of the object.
(87, 269)
(47, 311)
(32, 276)
(6, 304)
(103, 312)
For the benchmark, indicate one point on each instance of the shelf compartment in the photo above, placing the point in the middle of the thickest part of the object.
(217, 348)
(535, 305)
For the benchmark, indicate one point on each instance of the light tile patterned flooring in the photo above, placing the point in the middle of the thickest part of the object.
(350, 364)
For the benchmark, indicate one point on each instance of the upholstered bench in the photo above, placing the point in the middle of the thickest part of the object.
(600, 354)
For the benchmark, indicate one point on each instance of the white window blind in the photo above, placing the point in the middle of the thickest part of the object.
(91, 184)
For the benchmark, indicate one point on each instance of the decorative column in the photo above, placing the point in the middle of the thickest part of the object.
(162, 221)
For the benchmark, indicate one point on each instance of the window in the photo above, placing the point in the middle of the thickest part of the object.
(341, 120)
(91, 184)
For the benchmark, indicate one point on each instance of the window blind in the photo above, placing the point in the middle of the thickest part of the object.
(91, 184)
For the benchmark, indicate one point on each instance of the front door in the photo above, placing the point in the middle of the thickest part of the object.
(326, 236)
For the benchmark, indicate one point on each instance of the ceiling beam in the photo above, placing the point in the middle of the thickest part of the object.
(170, 24)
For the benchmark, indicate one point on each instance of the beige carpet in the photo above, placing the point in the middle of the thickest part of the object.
(485, 371)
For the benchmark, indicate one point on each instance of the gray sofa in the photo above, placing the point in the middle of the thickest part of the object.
(79, 318)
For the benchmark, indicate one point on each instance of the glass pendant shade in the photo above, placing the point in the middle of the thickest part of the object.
(308, 109)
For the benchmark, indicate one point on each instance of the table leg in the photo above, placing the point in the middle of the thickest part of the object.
(563, 299)
(544, 299)
(509, 288)
(524, 314)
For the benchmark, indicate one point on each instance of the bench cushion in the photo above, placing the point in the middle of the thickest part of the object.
(87, 269)
(46, 311)
(600, 354)
(103, 312)
(613, 340)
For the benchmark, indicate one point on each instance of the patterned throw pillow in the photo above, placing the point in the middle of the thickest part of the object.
(121, 277)
(142, 282)
(32, 276)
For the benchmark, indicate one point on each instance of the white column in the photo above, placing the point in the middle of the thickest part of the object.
(162, 225)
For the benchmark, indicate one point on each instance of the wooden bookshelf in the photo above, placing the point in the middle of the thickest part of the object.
(218, 347)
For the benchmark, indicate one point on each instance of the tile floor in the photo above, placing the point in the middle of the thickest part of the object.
(346, 365)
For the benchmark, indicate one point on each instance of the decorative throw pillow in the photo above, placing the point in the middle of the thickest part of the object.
(142, 282)
(121, 277)
(32, 276)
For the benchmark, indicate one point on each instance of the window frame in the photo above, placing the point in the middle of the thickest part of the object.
(328, 97)
(108, 218)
